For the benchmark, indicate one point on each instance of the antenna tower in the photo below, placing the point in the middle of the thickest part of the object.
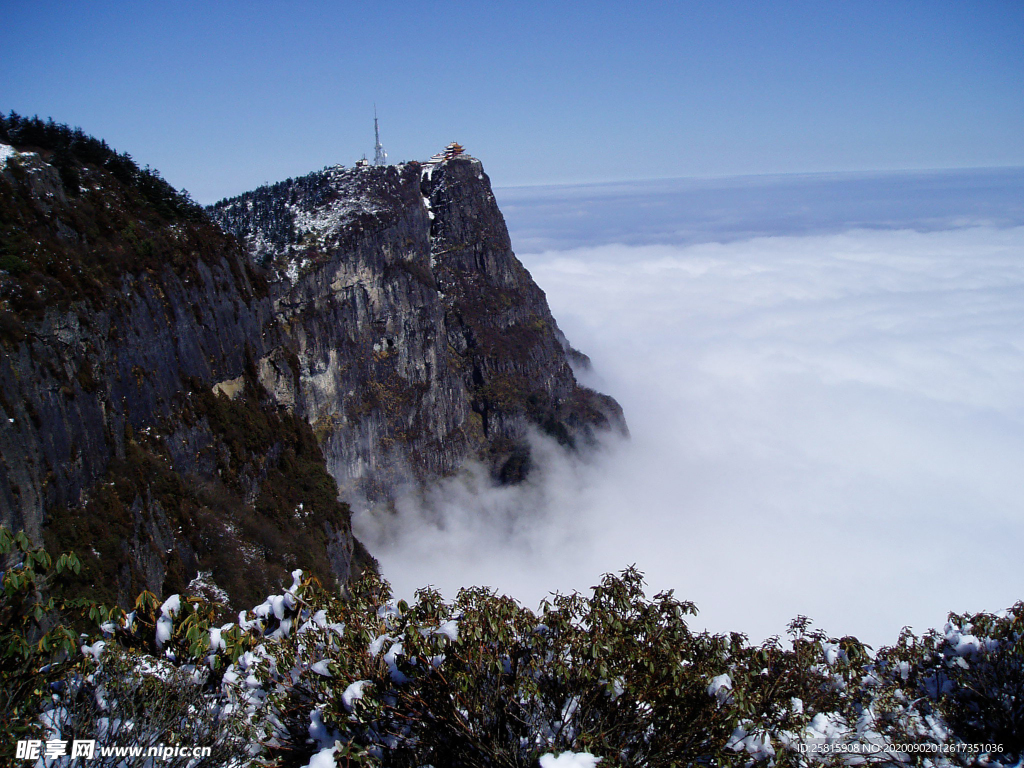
(380, 157)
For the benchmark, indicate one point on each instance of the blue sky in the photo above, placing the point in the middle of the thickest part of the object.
(221, 97)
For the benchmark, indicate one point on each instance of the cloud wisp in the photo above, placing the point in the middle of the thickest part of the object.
(827, 425)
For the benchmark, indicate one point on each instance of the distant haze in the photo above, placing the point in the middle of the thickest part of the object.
(825, 420)
(687, 211)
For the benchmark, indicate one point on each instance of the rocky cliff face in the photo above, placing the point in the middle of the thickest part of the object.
(124, 327)
(175, 400)
(421, 340)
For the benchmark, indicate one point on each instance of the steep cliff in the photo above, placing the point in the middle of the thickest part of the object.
(178, 400)
(122, 307)
(421, 340)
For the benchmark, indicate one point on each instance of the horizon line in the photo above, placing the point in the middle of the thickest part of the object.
(768, 175)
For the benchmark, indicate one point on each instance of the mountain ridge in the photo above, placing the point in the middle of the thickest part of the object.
(177, 402)
(418, 258)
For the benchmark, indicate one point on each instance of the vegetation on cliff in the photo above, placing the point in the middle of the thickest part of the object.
(122, 306)
(70, 149)
(267, 505)
(76, 216)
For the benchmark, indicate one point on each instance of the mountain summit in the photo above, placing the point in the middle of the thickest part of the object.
(422, 339)
(189, 392)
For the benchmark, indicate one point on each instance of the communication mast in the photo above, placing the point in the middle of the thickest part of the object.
(380, 157)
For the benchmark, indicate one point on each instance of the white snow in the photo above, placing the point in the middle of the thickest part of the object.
(316, 621)
(569, 760)
(827, 726)
(94, 650)
(377, 644)
(325, 738)
(449, 629)
(323, 759)
(967, 646)
(171, 606)
(353, 693)
(321, 668)
(51, 721)
(204, 582)
(257, 671)
(759, 746)
(216, 641)
(165, 623)
(278, 606)
(315, 225)
(721, 688)
(7, 151)
(391, 659)
(318, 731)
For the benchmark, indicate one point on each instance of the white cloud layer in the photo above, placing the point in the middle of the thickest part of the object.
(689, 211)
(828, 425)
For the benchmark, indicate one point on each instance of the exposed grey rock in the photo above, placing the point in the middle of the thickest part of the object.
(167, 411)
(422, 340)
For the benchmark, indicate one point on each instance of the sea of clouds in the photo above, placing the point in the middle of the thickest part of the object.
(826, 416)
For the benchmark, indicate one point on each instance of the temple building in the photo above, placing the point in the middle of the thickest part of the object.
(452, 150)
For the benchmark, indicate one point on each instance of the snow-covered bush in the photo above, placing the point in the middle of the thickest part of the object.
(126, 699)
(487, 680)
(309, 678)
(972, 674)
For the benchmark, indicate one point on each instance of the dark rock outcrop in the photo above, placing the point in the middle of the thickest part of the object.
(120, 327)
(177, 400)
